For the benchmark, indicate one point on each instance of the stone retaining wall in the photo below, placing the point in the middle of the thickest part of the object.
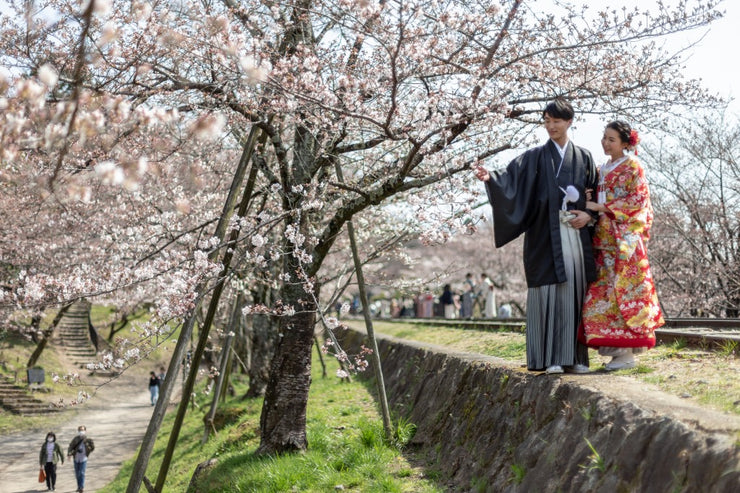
(490, 426)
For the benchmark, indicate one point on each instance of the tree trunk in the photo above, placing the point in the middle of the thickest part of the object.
(36, 334)
(46, 335)
(115, 327)
(242, 346)
(283, 418)
(264, 336)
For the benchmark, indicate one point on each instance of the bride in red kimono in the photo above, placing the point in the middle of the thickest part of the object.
(621, 309)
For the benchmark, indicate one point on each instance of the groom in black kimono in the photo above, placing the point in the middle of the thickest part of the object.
(542, 193)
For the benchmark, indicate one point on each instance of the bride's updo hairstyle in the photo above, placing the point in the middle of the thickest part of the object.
(627, 134)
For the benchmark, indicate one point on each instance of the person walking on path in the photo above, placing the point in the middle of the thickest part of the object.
(80, 449)
(154, 383)
(49, 455)
(119, 413)
(542, 193)
(621, 310)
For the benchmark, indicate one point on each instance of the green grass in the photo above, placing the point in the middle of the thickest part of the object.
(346, 440)
(500, 343)
(669, 366)
(404, 431)
(595, 460)
(518, 472)
(728, 348)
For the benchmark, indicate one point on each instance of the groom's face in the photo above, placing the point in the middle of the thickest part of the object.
(557, 128)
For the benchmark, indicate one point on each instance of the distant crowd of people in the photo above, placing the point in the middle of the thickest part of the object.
(473, 300)
(470, 300)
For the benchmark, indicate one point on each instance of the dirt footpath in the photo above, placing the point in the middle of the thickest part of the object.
(116, 419)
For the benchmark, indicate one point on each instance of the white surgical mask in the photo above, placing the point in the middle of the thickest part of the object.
(49, 439)
(81, 433)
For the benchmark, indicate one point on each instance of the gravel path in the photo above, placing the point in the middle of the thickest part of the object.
(116, 419)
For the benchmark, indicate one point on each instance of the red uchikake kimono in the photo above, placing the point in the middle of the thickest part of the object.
(621, 307)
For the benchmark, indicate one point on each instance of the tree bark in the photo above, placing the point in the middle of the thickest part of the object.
(283, 418)
(46, 335)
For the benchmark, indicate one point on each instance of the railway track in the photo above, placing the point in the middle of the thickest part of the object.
(709, 333)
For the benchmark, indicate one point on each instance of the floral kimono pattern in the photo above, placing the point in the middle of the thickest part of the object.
(621, 307)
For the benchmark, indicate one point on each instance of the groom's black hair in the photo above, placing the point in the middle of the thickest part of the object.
(559, 108)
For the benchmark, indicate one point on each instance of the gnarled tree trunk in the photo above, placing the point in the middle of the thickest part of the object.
(283, 419)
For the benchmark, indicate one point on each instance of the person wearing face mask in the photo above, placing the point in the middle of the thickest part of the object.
(50, 454)
(80, 449)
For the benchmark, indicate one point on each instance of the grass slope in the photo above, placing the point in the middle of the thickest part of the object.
(347, 450)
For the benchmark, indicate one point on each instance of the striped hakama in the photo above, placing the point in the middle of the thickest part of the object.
(554, 311)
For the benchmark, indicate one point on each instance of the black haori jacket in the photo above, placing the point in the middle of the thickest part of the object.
(526, 199)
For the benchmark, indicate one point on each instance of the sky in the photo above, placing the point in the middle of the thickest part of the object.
(708, 61)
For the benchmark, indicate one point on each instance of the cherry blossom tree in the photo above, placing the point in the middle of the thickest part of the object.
(123, 120)
(695, 180)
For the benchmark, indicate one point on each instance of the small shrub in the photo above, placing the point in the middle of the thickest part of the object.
(727, 348)
(404, 432)
(518, 472)
(370, 433)
(679, 344)
(595, 460)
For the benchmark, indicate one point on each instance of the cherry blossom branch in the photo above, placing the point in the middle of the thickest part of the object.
(76, 83)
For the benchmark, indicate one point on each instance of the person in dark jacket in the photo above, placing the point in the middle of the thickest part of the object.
(448, 302)
(80, 449)
(50, 454)
(542, 193)
(154, 383)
